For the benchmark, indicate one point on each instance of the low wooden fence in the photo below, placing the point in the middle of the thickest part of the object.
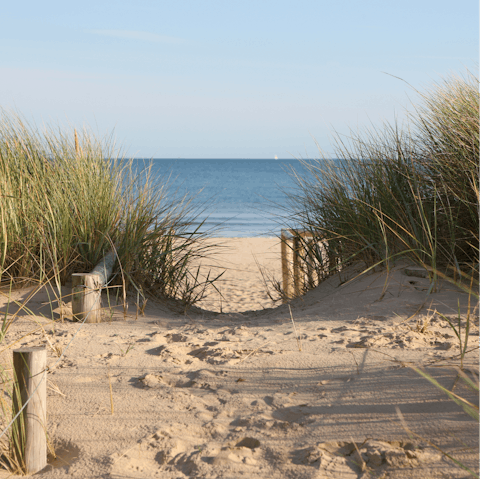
(304, 262)
(29, 399)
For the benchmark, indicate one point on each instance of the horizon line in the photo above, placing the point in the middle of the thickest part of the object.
(222, 158)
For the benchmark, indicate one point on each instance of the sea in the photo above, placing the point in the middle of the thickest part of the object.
(234, 197)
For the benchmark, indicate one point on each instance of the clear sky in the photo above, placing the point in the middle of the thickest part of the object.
(227, 79)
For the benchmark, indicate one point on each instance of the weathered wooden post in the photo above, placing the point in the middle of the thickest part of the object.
(87, 290)
(310, 262)
(286, 283)
(29, 431)
(297, 263)
(303, 262)
(86, 297)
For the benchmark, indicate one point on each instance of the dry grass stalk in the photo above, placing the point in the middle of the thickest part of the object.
(297, 336)
(112, 409)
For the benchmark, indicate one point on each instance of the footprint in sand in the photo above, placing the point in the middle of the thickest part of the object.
(201, 379)
(406, 339)
(66, 454)
(348, 459)
(177, 338)
(66, 363)
(162, 451)
(212, 352)
(245, 452)
(186, 452)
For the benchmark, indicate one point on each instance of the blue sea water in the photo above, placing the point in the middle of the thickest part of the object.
(244, 195)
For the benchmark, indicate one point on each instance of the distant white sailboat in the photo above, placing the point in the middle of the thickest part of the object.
(276, 157)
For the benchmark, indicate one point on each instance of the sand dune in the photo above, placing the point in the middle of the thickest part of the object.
(249, 394)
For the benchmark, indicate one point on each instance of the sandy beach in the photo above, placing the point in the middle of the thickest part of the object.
(246, 392)
(242, 285)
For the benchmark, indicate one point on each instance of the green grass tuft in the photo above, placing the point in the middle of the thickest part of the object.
(66, 200)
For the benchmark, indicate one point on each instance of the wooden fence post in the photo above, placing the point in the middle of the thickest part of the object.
(303, 263)
(286, 283)
(29, 431)
(86, 297)
(297, 264)
(87, 290)
(309, 260)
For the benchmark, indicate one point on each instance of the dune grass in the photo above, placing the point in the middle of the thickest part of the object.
(406, 191)
(66, 200)
(403, 192)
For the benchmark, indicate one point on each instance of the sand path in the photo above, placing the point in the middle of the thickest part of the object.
(242, 286)
(245, 394)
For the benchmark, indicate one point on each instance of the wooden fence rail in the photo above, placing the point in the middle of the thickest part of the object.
(303, 259)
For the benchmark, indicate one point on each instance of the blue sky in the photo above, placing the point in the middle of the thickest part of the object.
(227, 79)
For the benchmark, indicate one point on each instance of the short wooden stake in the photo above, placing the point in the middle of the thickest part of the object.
(87, 290)
(86, 297)
(298, 279)
(303, 262)
(285, 273)
(309, 261)
(29, 431)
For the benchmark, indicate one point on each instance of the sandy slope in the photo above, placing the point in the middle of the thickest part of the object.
(242, 286)
(243, 395)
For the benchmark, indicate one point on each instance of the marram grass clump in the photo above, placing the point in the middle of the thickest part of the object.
(409, 191)
(68, 199)
(406, 192)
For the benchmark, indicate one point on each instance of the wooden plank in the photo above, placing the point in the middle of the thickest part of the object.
(29, 433)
